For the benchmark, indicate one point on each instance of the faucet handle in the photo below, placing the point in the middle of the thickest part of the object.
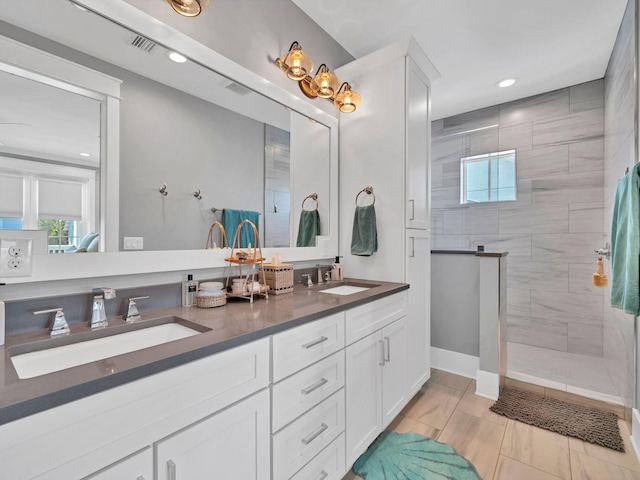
(59, 325)
(309, 281)
(131, 313)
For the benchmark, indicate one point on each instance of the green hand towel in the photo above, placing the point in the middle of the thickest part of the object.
(308, 229)
(625, 244)
(364, 239)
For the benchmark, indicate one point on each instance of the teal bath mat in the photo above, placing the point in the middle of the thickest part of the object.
(409, 456)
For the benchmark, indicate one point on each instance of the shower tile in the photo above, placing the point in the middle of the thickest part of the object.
(543, 162)
(580, 275)
(585, 339)
(523, 195)
(437, 172)
(437, 128)
(531, 109)
(446, 148)
(453, 221)
(586, 156)
(480, 142)
(481, 219)
(537, 275)
(446, 242)
(474, 120)
(445, 197)
(451, 173)
(567, 307)
(437, 222)
(570, 188)
(518, 137)
(542, 382)
(576, 127)
(518, 302)
(586, 96)
(565, 247)
(491, 242)
(586, 217)
(518, 245)
(538, 333)
(534, 219)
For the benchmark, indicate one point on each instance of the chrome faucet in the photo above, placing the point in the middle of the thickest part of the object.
(98, 314)
(131, 313)
(309, 282)
(319, 267)
(59, 325)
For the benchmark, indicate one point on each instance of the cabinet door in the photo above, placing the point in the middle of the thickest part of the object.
(417, 144)
(394, 384)
(138, 466)
(233, 444)
(419, 316)
(363, 386)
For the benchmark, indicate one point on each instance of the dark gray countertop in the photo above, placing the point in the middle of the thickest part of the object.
(236, 323)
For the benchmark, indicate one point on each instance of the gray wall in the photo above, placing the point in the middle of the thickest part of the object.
(619, 154)
(552, 228)
(253, 33)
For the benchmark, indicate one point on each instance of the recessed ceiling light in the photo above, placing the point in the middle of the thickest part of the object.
(84, 154)
(176, 57)
(507, 82)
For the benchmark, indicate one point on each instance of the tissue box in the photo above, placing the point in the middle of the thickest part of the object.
(279, 277)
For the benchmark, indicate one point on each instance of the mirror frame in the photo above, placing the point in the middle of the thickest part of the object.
(114, 263)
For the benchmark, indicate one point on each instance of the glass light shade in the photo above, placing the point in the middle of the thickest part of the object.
(347, 100)
(188, 8)
(296, 64)
(325, 84)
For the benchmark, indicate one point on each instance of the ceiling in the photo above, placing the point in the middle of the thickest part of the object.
(546, 44)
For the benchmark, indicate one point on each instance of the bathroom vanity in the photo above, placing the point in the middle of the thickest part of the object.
(300, 384)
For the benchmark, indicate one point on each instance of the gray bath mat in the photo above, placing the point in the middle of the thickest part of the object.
(588, 424)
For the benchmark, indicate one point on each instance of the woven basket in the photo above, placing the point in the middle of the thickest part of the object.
(279, 278)
(210, 301)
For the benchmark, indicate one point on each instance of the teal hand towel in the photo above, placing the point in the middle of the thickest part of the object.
(625, 244)
(232, 218)
(308, 228)
(364, 239)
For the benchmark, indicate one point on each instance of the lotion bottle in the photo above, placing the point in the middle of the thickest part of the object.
(189, 291)
(336, 269)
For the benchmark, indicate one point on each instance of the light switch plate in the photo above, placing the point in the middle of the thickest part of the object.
(16, 256)
(133, 243)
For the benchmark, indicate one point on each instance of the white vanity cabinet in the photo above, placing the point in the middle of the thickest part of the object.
(308, 400)
(91, 435)
(376, 364)
(232, 444)
(138, 466)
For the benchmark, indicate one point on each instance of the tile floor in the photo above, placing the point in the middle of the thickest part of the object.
(501, 449)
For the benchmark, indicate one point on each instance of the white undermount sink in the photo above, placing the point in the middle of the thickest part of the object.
(40, 362)
(344, 290)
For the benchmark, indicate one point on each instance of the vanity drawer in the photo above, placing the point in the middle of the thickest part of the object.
(329, 464)
(295, 395)
(301, 346)
(300, 441)
(366, 319)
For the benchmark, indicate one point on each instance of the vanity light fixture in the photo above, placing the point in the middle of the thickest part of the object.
(188, 8)
(298, 66)
(176, 57)
(507, 82)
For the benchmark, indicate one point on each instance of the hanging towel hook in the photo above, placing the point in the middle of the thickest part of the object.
(163, 189)
(197, 194)
(605, 252)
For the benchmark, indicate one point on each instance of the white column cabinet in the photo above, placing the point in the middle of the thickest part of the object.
(233, 444)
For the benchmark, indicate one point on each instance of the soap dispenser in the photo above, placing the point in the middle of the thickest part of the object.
(336, 269)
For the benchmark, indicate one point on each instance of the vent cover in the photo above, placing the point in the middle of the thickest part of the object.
(143, 43)
(237, 88)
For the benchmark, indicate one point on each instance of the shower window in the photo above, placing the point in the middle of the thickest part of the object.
(490, 177)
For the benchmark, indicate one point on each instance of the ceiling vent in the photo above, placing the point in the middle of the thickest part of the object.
(237, 88)
(143, 43)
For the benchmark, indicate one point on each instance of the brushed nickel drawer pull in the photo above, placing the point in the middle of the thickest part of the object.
(323, 475)
(171, 470)
(315, 386)
(387, 357)
(140, 477)
(315, 342)
(413, 210)
(315, 434)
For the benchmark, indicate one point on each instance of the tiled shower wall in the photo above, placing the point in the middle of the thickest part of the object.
(555, 224)
(619, 154)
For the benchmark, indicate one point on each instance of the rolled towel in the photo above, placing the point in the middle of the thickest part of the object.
(364, 239)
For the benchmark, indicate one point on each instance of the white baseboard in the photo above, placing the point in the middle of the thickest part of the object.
(454, 362)
(635, 432)
(487, 384)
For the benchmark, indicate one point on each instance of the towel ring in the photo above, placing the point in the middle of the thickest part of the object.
(314, 197)
(368, 190)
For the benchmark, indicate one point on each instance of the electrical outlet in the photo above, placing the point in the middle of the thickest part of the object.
(16, 256)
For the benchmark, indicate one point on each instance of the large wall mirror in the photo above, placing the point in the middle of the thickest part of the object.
(218, 136)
